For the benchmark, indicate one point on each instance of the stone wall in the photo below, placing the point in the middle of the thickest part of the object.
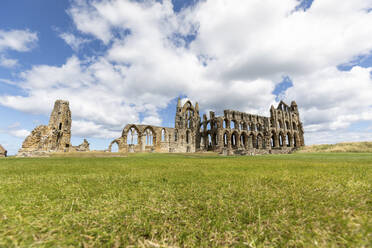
(233, 133)
(52, 138)
(3, 152)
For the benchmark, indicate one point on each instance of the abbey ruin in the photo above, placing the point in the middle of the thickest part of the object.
(56, 137)
(233, 133)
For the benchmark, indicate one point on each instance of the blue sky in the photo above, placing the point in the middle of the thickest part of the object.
(122, 61)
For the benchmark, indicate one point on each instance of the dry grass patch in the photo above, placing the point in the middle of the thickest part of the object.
(364, 147)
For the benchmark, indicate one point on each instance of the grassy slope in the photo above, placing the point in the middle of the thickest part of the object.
(340, 147)
(155, 199)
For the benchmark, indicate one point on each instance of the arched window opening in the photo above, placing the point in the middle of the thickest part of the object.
(294, 126)
(209, 125)
(209, 140)
(225, 140)
(233, 140)
(115, 147)
(201, 141)
(149, 137)
(245, 126)
(187, 137)
(60, 126)
(163, 135)
(242, 140)
(224, 124)
(132, 136)
(175, 135)
(288, 140)
(189, 123)
(258, 127)
(253, 127)
(280, 140)
(287, 125)
(189, 113)
(232, 125)
(280, 124)
(273, 139)
(241, 126)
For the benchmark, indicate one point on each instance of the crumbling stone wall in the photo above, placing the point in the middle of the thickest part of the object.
(146, 138)
(233, 133)
(83, 147)
(52, 138)
(3, 152)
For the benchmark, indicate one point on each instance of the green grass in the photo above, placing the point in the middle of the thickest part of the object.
(163, 200)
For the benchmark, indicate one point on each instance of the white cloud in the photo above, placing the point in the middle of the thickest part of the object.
(331, 99)
(18, 40)
(73, 41)
(91, 129)
(21, 133)
(241, 51)
(8, 63)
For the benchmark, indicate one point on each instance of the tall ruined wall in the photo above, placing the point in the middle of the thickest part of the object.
(60, 121)
(286, 126)
(146, 138)
(233, 133)
(52, 138)
(243, 133)
(187, 125)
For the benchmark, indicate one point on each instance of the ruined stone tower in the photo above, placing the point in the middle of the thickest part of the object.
(52, 138)
(187, 122)
(60, 122)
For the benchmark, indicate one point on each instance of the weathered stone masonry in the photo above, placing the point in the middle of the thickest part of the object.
(3, 152)
(56, 137)
(233, 133)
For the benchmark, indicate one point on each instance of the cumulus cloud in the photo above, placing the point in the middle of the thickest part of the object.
(73, 41)
(15, 130)
(8, 63)
(222, 53)
(21, 133)
(18, 40)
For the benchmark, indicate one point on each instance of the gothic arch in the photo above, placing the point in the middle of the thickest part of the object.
(112, 143)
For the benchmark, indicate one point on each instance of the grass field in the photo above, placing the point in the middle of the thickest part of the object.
(164, 200)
